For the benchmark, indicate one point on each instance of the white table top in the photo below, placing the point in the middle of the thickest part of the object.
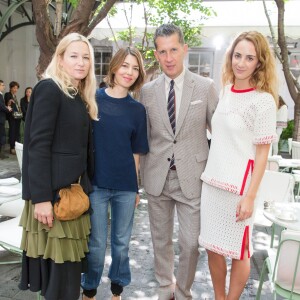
(276, 213)
(289, 163)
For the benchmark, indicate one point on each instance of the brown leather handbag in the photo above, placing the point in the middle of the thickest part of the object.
(72, 203)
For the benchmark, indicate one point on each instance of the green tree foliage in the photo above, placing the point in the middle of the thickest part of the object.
(74, 3)
(81, 16)
(189, 15)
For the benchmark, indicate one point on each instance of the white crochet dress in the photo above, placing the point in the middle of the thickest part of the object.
(242, 120)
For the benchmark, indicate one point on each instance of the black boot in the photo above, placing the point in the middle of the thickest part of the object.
(2, 155)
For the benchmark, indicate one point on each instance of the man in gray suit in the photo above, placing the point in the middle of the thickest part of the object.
(179, 106)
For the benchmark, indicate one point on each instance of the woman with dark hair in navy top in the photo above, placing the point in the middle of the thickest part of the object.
(120, 136)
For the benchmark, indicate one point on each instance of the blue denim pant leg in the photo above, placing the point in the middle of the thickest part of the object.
(122, 213)
(99, 200)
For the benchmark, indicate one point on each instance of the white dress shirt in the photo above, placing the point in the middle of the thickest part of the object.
(178, 86)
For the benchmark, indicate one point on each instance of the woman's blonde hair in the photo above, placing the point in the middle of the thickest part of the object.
(116, 63)
(87, 86)
(264, 77)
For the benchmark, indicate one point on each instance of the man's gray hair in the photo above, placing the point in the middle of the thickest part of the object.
(168, 30)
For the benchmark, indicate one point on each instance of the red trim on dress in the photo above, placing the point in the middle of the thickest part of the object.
(250, 165)
(265, 140)
(245, 237)
(219, 250)
(241, 91)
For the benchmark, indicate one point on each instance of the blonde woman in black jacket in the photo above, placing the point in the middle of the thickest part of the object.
(57, 152)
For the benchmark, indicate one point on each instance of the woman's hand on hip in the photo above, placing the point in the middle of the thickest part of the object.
(43, 212)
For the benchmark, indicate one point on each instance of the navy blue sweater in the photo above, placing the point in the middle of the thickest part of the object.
(120, 132)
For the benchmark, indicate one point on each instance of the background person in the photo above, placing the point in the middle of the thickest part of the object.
(25, 101)
(4, 110)
(282, 118)
(178, 150)
(243, 127)
(119, 137)
(57, 151)
(102, 84)
(13, 122)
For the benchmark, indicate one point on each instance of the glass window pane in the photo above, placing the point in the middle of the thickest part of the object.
(206, 58)
(98, 80)
(102, 59)
(105, 69)
(200, 61)
(106, 57)
(194, 59)
(97, 57)
(97, 69)
(194, 69)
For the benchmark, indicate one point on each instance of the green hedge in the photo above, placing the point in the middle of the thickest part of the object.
(288, 132)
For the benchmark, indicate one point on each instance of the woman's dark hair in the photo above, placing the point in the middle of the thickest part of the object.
(13, 84)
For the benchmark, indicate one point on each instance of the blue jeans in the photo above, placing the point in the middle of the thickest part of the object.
(122, 211)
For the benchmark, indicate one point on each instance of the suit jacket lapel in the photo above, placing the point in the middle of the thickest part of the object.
(160, 95)
(187, 91)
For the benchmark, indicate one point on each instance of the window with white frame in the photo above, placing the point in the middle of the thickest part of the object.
(200, 61)
(103, 56)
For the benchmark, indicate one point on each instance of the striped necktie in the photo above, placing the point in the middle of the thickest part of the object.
(171, 106)
(172, 115)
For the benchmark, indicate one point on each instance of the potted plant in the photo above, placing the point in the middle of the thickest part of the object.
(287, 133)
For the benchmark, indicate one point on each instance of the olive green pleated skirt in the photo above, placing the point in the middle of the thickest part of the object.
(65, 241)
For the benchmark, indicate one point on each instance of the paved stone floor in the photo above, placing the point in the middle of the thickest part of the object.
(144, 284)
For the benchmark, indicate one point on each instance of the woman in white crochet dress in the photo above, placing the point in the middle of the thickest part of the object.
(243, 127)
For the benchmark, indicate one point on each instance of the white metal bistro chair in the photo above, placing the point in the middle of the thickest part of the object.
(274, 187)
(19, 153)
(283, 267)
(10, 238)
(295, 149)
(10, 200)
(11, 205)
(272, 164)
(290, 145)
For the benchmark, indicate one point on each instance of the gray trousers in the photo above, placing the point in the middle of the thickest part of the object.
(161, 215)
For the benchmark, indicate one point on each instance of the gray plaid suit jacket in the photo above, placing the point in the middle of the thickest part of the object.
(189, 143)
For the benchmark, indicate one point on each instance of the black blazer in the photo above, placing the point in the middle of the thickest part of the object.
(56, 143)
(8, 96)
(3, 110)
(24, 106)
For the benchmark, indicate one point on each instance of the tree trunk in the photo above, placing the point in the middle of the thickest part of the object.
(100, 16)
(59, 14)
(81, 18)
(293, 85)
(83, 21)
(296, 133)
(44, 35)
